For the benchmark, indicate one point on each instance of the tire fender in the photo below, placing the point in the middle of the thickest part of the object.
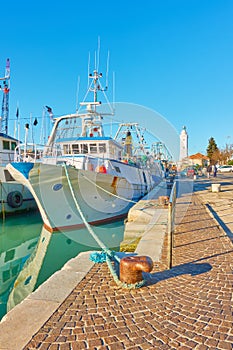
(15, 199)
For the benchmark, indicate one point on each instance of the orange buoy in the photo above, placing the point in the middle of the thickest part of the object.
(102, 169)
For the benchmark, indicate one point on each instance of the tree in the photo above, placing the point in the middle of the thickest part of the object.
(212, 150)
(226, 154)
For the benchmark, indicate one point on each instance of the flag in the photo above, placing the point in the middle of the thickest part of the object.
(17, 112)
(35, 122)
(49, 109)
(50, 112)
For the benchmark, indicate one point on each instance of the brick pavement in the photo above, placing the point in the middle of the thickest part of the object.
(187, 307)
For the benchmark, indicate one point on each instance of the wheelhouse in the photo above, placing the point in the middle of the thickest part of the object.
(102, 147)
(7, 147)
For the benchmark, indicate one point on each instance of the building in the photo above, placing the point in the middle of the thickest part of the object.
(183, 144)
(199, 159)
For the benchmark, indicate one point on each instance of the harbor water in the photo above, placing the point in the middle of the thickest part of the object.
(29, 254)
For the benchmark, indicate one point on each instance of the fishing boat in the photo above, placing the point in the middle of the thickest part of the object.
(14, 196)
(86, 174)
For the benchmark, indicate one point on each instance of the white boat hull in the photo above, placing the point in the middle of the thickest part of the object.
(14, 197)
(60, 197)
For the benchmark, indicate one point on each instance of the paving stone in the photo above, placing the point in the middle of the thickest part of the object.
(186, 307)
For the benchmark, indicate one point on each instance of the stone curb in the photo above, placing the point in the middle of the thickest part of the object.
(19, 325)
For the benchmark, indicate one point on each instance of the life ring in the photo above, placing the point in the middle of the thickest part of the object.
(15, 199)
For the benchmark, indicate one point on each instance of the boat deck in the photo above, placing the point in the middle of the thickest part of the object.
(186, 307)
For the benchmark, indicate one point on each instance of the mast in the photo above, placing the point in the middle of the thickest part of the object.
(92, 118)
(5, 101)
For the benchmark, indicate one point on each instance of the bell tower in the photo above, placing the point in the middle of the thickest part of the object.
(183, 143)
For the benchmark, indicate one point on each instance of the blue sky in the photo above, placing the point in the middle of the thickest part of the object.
(171, 56)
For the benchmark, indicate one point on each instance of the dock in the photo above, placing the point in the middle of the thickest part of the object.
(189, 306)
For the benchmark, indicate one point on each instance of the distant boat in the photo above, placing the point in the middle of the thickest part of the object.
(85, 174)
(14, 196)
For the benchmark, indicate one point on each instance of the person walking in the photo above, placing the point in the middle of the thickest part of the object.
(214, 170)
(209, 169)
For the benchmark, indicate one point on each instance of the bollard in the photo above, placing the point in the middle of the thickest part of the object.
(163, 200)
(215, 187)
(131, 268)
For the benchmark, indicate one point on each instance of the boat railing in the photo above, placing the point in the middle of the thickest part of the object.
(6, 156)
(89, 162)
(75, 162)
(28, 152)
(52, 151)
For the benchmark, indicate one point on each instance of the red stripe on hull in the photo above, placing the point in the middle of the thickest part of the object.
(79, 226)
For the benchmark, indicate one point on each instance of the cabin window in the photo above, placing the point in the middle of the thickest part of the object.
(75, 149)
(84, 148)
(111, 150)
(144, 177)
(13, 145)
(8, 176)
(6, 144)
(66, 149)
(93, 148)
(6, 275)
(102, 148)
(10, 254)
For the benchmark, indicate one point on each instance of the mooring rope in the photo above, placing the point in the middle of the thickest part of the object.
(2, 202)
(112, 194)
(106, 254)
(106, 191)
(88, 226)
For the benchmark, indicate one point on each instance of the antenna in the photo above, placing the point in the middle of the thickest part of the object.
(88, 69)
(113, 91)
(95, 61)
(107, 68)
(18, 122)
(42, 134)
(77, 93)
(98, 54)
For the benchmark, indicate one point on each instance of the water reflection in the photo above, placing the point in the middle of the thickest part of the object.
(39, 254)
(17, 242)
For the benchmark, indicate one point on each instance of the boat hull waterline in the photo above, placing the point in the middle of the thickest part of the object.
(101, 197)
